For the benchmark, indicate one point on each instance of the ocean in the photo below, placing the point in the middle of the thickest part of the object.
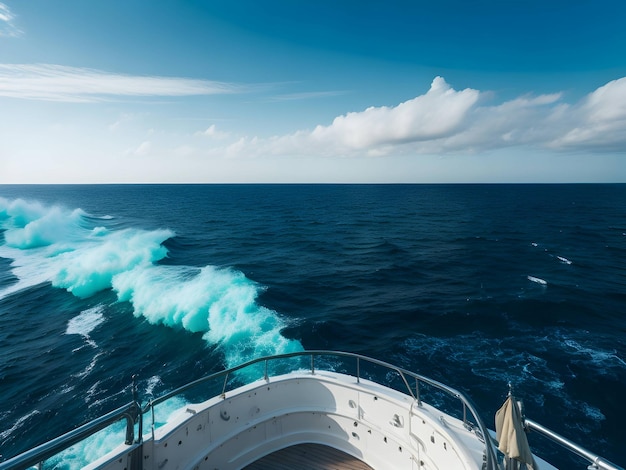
(477, 286)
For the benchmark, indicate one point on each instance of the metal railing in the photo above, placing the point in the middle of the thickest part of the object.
(37, 455)
(595, 460)
(132, 411)
(467, 405)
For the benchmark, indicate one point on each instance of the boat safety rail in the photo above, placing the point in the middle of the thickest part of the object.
(37, 455)
(405, 375)
(596, 461)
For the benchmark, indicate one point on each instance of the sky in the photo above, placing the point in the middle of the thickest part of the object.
(293, 91)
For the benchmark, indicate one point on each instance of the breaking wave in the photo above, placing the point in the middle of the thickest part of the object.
(79, 253)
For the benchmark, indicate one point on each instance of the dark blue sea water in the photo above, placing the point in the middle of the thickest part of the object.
(473, 285)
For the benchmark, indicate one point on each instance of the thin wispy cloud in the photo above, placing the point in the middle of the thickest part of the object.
(72, 84)
(445, 120)
(141, 150)
(7, 22)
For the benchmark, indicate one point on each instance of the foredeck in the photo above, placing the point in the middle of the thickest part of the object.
(309, 457)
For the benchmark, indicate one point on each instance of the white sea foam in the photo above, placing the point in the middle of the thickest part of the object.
(537, 280)
(600, 358)
(99, 231)
(18, 424)
(83, 325)
(593, 412)
(86, 321)
(85, 372)
(219, 302)
(31, 269)
(67, 388)
(32, 225)
(99, 444)
(499, 360)
(91, 266)
(57, 246)
(93, 390)
(51, 244)
(153, 382)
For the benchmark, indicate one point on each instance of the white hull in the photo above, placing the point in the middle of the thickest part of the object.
(384, 427)
(379, 426)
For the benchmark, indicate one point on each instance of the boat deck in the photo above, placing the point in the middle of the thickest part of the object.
(309, 457)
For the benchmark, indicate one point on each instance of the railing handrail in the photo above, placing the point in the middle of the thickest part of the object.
(595, 460)
(489, 445)
(132, 411)
(38, 454)
(211, 377)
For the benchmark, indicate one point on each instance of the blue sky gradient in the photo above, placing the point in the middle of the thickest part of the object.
(332, 91)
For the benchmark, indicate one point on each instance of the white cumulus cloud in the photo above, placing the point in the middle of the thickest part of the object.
(599, 121)
(72, 84)
(444, 120)
(436, 114)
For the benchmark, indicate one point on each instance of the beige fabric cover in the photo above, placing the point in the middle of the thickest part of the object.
(511, 435)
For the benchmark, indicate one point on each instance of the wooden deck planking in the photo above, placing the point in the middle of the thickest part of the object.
(308, 457)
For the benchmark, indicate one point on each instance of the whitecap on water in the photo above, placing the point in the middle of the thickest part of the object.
(97, 445)
(601, 359)
(89, 368)
(593, 412)
(18, 424)
(85, 323)
(152, 383)
(538, 280)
